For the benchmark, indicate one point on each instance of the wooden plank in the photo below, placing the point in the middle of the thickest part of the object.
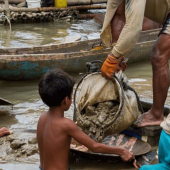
(84, 7)
(132, 144)
(4, 102)
(147, 158)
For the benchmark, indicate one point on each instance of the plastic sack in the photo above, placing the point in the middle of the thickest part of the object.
(105, 107)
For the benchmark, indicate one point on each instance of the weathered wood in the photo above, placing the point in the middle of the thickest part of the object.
(32, 63)
(4, 102)
(32, 66)
(85, 16)
(85, 7)
(85, 2)
(147, 158)
(13, 1)
(69, 2)
(132, 144)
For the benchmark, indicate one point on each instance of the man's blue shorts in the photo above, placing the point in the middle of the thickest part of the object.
(163, 154)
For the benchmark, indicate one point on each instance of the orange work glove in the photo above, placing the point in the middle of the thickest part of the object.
(112, 65)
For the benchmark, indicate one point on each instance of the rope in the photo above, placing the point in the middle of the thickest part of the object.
(137, 97)
(8, 21)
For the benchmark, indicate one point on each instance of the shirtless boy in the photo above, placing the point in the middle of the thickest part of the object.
(54, 131)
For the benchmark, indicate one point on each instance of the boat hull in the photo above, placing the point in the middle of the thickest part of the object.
(32, 63)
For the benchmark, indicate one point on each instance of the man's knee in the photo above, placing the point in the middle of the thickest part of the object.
(157, 58)
(161, 51)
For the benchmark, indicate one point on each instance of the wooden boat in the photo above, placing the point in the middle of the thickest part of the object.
(4, 102)
(33, 62)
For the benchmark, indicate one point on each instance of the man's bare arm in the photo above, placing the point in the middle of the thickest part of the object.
(134, 14)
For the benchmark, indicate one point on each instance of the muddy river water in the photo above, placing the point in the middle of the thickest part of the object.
(28, 107)
(24, 94)
(35, 34)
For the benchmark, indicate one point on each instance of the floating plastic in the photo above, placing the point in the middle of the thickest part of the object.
(34, 3)
(61, 3)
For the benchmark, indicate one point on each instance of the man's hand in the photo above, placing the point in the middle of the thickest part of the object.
(112, 65)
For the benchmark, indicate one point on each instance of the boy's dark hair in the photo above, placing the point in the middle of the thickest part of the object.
(54, 86)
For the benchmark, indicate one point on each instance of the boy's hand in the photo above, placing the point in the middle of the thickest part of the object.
(127, 156)
(135, 164)
(112, 65)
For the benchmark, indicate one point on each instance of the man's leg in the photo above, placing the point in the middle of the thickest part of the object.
(161, 81)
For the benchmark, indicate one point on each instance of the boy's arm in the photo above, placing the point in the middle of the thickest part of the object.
(74, 132)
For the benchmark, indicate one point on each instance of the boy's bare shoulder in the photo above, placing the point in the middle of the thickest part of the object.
(42, 119)
(43, 116)
(68, 124)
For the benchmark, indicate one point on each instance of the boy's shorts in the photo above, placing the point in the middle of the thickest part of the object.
(166, 26)
(164, 154)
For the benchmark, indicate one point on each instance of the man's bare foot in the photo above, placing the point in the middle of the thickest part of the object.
(147, 119)
(4, 131)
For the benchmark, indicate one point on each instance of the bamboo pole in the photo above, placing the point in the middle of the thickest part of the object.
(69, 2)
(6, 7)
(85, 2)
(85, 16)
(85, 7)
(13, 1)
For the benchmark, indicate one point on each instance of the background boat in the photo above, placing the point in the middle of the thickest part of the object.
(33, 62)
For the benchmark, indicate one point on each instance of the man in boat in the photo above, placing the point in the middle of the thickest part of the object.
(4, 131)
(121, 29)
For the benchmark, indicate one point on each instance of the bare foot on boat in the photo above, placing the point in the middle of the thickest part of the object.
(4, 131)
(147, 119)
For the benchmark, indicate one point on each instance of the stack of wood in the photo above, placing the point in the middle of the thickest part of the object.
(24, 17)
(69, 2)
(44, 14)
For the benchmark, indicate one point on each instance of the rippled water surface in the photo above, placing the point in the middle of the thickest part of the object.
(35, 34)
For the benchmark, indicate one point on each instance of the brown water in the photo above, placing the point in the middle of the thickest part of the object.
(35, 34)
(28, 107)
